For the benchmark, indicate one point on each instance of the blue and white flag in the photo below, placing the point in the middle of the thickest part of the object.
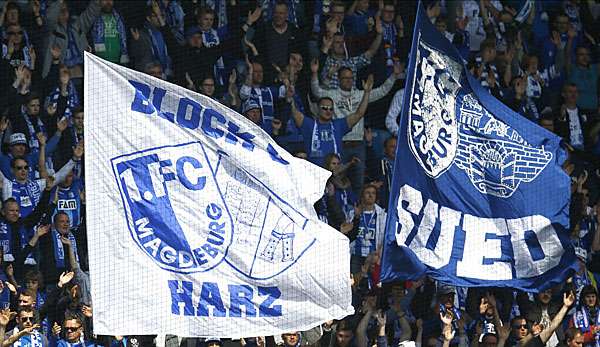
(478, 197)
(199, 224)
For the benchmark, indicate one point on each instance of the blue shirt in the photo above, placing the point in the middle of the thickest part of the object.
(321, 139)
(69, 201)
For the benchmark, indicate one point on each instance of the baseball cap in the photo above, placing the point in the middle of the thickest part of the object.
(250, 104)
(213, 339)
(18, 139)
(444, 289)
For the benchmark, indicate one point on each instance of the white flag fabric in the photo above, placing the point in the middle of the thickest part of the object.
(199, 224)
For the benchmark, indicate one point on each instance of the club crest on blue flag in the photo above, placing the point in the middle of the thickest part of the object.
(479, 197)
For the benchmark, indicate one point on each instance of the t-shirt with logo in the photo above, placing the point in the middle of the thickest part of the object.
(112, 39)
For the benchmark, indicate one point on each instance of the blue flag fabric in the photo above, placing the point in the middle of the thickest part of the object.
(479, 197)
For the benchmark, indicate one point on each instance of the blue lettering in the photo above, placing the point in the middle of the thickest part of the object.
(234, 134)
(210, 250)
(216, 239)
(265, 309)
(241, 296)
(200, 183)
(181, 293)
(207, 126)
(193, 121)
(275, 156)
(213, 211)
(142, 94)
(210, 296)
(199, 256)
(157, 99)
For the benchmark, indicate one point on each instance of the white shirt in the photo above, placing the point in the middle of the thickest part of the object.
(391, 120)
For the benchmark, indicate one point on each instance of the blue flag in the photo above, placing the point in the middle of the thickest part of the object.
(479, 197)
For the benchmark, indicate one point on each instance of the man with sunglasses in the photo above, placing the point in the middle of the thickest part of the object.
(26, 333)
(72, 331)
(323, 135)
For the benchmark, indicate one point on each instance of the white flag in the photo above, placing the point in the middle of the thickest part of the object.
(199, 224)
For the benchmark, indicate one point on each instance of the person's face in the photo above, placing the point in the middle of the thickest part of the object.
(257, 73)
(362, 5)
(369, 196)
(207, 87)
(153, 20)
(106, 6)
(346, 79)
(280, 15)
(337, 13)
(32, 284)
(338, 44)
(533, 65)
(11, 211)
(254, 115)
(343, 338)
(25, 319)
(63, 16)
(296, 61)
(325, 110)
(290, 339)
(18, 150)
(206, 21)
(73, 330)
(155, 71)
(20, 169)
(12, 16)
(334, 164)
(387, 15)
(577, 341)
(213, 344)
(570, 94)
(33, 107)
(390, 148)
(78, 120)
(519, 329)
(590, 300)
(441, 26)
(582, 57)
(447, 300)
(15, 34)
(195, 40)
(25, 301)
(488, 54)
(562, 24)
(68, 180)
(545, 296)
(62, 224)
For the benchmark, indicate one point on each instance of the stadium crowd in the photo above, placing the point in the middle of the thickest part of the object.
(325, 80)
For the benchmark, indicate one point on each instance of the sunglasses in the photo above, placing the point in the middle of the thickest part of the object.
(26, 167)
(522, 326)
(72, 328)
(326, 108)
(26, 319)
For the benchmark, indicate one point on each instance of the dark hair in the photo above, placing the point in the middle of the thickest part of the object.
(58, 214)
(386, 141)
(14, 160)
(205, 10)
(34, 275)
(571, 333)
(517, 318)
(73, 316)
(30, 97)
(8, 201)
(325, 98)
(344, 68)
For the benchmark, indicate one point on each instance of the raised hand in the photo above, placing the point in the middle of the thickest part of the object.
(135, 34)
(78, 151)
(314, 66)
(65, 241)
(568, 299)
(6, 316)
(65, 278)
(42, 230)
(87, 311)
(253, 16)
(233, 76)
(378, 25)
(41, 138)
(49, 183)
(381, 318)
(446, 318)
(368, 84)
(56, 329)
(4, 123)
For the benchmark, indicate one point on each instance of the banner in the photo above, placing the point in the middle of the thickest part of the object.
(199, 224)
(478, 197)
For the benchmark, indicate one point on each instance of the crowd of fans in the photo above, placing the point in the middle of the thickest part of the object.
(325, 80)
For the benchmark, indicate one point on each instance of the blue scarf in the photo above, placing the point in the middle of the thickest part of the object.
(6, 241)
(33, 340)
(72, 98)
(581, 320)
(74, 55)
(16, 62)
(33, 128)
(45, 324)
(27, 195)
(59, 250)
(174, 16)
(98, 31)
(26, 235)
(159, 48)
(220, 8)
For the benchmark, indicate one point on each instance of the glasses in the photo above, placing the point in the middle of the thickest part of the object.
(72, 328)
(521, 326)
(26, 167)
(27, 319)
(326, 108)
